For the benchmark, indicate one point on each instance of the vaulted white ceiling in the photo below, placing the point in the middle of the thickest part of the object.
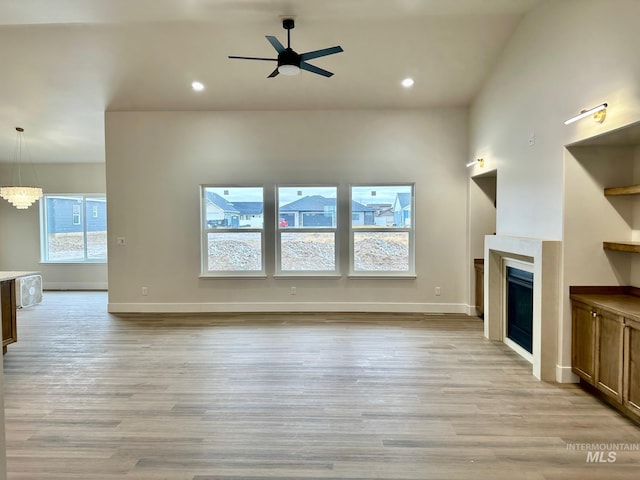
(66, 62)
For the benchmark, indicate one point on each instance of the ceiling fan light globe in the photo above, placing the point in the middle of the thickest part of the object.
(289, 70)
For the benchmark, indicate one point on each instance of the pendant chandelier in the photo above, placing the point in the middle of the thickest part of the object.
(20, 196)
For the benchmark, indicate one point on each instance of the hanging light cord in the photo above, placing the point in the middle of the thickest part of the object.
(21, 142)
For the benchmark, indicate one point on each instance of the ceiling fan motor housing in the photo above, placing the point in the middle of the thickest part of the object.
(288, 57)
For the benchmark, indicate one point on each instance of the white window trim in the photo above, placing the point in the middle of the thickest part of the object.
(204, 239)
(271, 234)
(411, 272)
(44, 245)
(335, 273)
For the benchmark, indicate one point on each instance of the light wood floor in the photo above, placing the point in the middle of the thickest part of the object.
(92, 396)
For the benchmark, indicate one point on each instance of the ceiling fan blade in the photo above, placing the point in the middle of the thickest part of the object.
(254, 58)
(313, 69)
(274, 73)
(321, 53)
(275, 43)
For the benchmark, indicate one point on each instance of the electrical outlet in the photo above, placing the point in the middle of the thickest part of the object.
(293, 290)
(437, 291)
(145, 291)
(121, 241)
(532, 139)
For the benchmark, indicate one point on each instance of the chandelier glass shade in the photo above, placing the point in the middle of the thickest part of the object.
(20, 196)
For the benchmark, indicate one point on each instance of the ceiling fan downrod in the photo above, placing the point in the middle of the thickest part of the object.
(288, 24)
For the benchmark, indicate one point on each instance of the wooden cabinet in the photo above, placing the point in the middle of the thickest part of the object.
(8, 313)
(583, 335)
(605, 347)
(478, 265)
(609, 352)
(631, 396)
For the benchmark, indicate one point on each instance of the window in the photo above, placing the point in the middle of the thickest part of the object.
(70, 231)
(306, 230)
(382, 233)
(232, 231)
(305, 227)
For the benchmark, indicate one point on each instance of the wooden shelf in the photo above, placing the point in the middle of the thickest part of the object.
(628, 190)
(633, 247)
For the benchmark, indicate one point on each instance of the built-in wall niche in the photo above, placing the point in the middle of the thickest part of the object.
(487, 184)
(601, 261)
(482, 221)
(602, 211)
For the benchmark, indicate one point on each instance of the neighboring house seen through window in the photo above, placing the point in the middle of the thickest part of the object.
(232, 230)
(73, 228)
(382, 234)
(305, 226)
(307, 229)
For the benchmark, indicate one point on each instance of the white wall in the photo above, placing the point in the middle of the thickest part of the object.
(565, 56)
(20, 229)
(157, 160)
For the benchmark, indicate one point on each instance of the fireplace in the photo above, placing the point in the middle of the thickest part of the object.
(542, 260)
(519, 310)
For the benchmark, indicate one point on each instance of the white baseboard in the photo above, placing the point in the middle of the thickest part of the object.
(471, 311)
(565, 375)
(434, 308)
(74, 286)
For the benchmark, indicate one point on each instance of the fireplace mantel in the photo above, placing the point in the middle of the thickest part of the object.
(544, 256)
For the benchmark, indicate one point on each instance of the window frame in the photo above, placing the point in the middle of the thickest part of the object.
(44, 231)
(411, 271)
(204, 238)
(279, 272)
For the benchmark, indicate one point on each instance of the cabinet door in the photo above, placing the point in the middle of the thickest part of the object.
(632, 367)
(609, 335)
(583, 334)
(479, 269)
(8, 313)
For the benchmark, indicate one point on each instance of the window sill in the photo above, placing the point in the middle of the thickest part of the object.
(369, 276)
(233, 277)
(68, 262)
(285, 276)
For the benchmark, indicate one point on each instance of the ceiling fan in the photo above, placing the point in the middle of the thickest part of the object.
(289, 61)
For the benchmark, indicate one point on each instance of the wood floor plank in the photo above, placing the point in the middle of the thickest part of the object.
(288, 396)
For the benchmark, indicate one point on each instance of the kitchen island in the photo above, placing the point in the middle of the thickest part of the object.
(9, 307)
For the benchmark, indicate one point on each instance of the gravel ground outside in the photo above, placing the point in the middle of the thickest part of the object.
(373, 251)
(70, 246)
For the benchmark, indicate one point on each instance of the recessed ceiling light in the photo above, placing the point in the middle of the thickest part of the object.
(407, 82)
(197, 86)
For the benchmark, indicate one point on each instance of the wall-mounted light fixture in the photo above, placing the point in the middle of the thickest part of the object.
(599, 113)
(479, 161)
